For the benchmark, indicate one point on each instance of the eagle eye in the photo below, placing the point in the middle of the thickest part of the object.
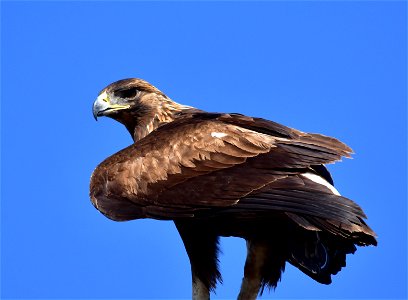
(127, 93)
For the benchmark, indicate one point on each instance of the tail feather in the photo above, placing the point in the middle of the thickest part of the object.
(319, 255)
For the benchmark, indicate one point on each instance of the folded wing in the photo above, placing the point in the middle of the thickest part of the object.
(207, 161)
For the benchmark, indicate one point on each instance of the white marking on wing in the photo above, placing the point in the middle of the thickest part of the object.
(320, 180)
(218, 134)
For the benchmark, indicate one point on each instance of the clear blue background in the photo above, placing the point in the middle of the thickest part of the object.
(338, 68)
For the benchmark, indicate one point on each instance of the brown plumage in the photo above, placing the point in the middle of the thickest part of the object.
(218, 174)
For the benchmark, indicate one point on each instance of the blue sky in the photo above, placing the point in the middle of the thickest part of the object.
(338, 68)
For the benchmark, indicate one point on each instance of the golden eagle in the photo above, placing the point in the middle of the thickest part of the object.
(224, 174)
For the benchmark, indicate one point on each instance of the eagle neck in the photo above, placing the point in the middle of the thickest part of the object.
(154, 117)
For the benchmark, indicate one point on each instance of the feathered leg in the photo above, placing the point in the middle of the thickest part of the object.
(252, 281)
(202, 248)
(264, 265)
(200, 290)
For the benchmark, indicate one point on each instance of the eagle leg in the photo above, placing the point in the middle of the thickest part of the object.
(251, 283)
(201, 244)
(200, 290)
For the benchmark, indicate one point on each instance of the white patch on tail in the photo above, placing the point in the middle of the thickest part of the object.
(218, 134)
(320, 180)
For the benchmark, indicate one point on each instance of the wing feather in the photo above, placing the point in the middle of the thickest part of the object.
(208, 160)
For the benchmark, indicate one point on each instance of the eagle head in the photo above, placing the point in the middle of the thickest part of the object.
(137, 104)
(130, 96)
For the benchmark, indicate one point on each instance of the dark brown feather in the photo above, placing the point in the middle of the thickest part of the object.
(185, 156)
(230, 175)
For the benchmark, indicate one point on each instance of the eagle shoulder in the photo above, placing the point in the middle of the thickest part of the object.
(204, 160)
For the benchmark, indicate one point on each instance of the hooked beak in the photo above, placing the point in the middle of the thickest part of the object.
(103, 107)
